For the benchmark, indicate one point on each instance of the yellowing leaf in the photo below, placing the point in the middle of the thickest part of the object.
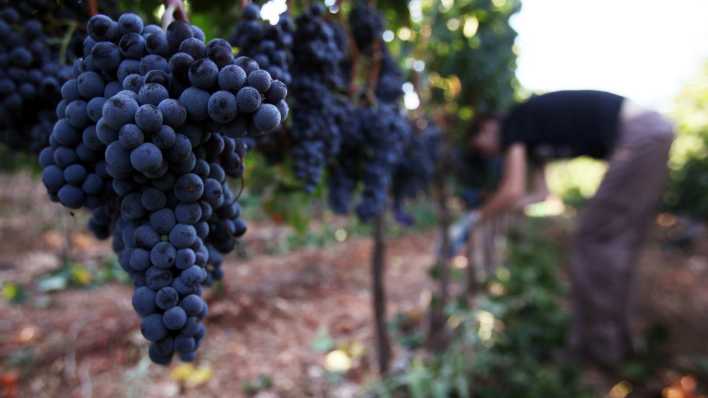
(356, 349)
(10, 291)
(199, 376)
(80, 275)
(181, 372)
(191, 376)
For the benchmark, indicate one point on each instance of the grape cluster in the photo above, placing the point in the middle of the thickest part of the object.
(269, 45)
(40, 40)
(366, 25)
(416, 168)
(386, 132)
(150, 126)
(318, 53)
(314, 129)
(317, 47)
(389, 85)
(30, 78)
(369, 156)
(373, 136)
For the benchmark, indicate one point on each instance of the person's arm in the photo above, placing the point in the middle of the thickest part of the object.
(539, 188)
(513, 184)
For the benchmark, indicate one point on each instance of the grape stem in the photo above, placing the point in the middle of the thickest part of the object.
(92, 7)
(374, 71)
(242, 184)
(174, 10)
(65, 41)
(355, 60)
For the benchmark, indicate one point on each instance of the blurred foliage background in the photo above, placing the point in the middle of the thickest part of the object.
(688, 187)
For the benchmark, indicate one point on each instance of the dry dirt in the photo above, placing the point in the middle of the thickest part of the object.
(84, 342)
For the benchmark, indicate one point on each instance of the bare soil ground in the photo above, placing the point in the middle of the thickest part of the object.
(85, 343)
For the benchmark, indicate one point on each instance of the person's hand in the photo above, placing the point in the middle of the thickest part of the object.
(464, 224)
(459, 232)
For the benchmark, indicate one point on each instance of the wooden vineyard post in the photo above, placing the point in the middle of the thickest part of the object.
(378, 268)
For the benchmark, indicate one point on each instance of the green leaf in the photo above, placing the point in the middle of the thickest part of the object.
(13, 292)
(322, 342)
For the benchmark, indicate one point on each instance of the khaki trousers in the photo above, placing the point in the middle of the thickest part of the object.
(611, 230)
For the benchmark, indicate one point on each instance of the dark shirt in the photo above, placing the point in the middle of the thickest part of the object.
(564, 124)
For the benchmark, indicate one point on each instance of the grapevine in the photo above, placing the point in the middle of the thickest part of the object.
(319, 50)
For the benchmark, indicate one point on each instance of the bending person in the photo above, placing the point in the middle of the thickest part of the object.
(612, 226)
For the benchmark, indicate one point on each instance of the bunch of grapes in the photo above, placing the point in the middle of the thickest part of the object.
(416, 168)
(369, 156)
(389, 85)
(315, 133)
(269, 45)
(385, 131)
(373, 136)
(367, 25)
(150, 126)
(344, 171)
(317, 47)
(30, 70)
(318, 53)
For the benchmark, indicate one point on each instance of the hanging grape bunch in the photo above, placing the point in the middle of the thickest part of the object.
(151, 125)
(373, 145)
(318, 54)
(31, 71)
(367, 26)
(389, 85)
(269, 45)
(371, 150)
(416, 169)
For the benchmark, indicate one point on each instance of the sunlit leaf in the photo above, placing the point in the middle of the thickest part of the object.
(12, 292)
(80, 275)
(337, 361)
(191, 376)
